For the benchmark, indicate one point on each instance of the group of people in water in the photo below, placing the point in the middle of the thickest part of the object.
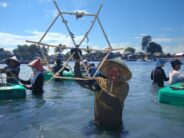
(158, 74)
(110, 83)
(34, 83)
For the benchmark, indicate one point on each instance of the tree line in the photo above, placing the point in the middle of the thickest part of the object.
(28, 52)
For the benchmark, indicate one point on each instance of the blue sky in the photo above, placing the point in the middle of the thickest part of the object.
(125, 22)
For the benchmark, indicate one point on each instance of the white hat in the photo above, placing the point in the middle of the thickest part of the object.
(14, 58)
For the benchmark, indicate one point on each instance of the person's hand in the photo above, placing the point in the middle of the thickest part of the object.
(27, 86)
(50, 68)
(57, 74)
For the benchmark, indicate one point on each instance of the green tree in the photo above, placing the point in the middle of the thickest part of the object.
(145, 42)
(25, 52)
(154, 47)
(4, 54)
(130, 49)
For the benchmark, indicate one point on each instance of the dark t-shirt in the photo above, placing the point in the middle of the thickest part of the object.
(158, 76)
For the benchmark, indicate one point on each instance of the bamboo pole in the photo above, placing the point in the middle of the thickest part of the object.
(101, 63)
(104, 33)
(52, 23)
(65, 22)
(84, 65)
(69, 47)
(71, 78)
(87, 33)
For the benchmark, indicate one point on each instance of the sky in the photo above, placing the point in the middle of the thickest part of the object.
(125, 22)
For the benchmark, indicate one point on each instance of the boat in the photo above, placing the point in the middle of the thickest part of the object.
(172, 94)
(11, 92)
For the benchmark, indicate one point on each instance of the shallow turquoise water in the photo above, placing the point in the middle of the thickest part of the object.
(66, 110)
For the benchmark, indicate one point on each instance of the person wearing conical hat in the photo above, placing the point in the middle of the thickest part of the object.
(35, 83)
(109, 102)
(12, 70)
(111, 92)
(158, 74)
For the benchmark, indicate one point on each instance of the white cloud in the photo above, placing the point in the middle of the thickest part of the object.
(122, 45)
(171, 45)
(173, 49)
(163, 40)
(140, 36)
(10, 41)
(3, 4)
(176, 40)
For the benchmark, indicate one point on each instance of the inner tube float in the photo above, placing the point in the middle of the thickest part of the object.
(48, 74)
(172, 94)
(11, 91)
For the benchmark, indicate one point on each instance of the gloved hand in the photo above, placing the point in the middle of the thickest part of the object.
(77, 52)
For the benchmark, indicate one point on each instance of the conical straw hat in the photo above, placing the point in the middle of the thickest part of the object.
(123, 68)
(14, 58)
(36, 64)
(160, 62)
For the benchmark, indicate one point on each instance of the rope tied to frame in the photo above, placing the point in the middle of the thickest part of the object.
(64, 21)
(72, 35)
(79, 15)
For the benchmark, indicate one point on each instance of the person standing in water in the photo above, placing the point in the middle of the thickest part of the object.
(12, 70)
(175, 75)
(35, 83)
(158, 74)
(58, 66)
(110, 93)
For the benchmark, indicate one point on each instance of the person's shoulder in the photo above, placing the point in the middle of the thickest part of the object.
(175, 72)
(41, 74)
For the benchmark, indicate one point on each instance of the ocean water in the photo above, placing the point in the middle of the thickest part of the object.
(66, 110)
